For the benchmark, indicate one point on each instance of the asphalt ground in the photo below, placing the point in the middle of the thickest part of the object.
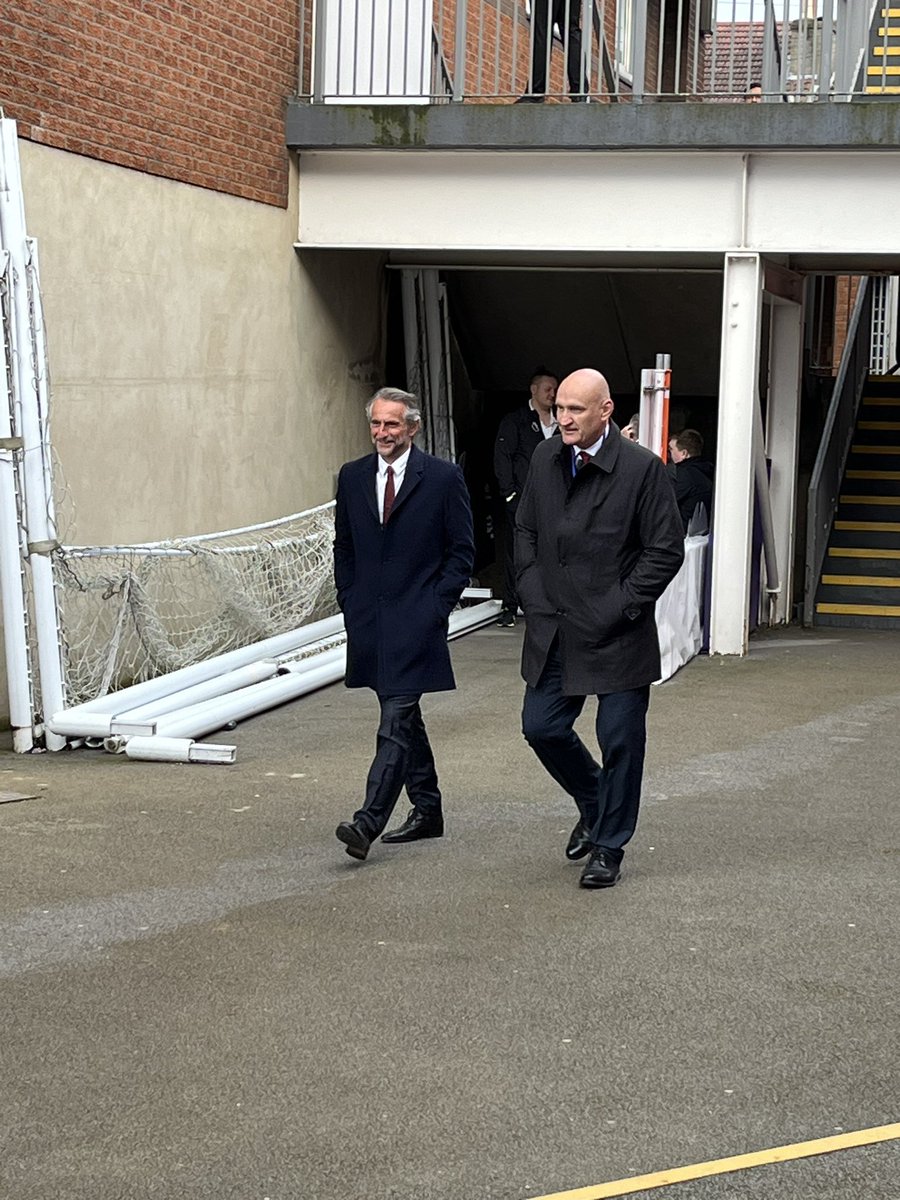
(204, 997)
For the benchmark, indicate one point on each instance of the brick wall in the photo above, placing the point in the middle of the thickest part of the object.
(845, 289)
(193, 90)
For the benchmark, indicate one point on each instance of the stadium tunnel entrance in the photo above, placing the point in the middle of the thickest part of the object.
(469, 338)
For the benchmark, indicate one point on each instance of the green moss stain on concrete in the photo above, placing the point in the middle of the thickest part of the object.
(398, 125)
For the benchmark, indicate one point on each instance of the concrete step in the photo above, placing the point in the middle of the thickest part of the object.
(855, 620)
(855, 560)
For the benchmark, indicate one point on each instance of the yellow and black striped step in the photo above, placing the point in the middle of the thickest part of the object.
(860, 582)
(861, 552)
(860, 610)
(883, 61)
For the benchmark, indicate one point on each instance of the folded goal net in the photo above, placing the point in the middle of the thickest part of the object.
(130, 613)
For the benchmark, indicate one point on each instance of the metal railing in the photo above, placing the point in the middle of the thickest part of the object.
(837, 435)
(427, 51)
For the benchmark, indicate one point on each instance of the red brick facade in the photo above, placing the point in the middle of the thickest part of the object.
(192, 90)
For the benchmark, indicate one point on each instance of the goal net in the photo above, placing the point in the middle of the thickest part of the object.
(130, 613)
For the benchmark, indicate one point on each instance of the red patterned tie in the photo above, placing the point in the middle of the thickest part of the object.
(388, 496)
(582, 459)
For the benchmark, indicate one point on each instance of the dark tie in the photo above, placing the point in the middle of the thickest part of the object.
(388, 496)
(582, 458)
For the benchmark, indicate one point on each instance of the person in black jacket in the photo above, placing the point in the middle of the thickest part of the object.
(519, 434)
(598, 539)
(691, 474)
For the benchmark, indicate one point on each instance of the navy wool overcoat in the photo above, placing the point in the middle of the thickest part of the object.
(397, 584)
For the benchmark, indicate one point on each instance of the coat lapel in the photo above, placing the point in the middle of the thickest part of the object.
(367, 478)
(595, 474)
(412, 476)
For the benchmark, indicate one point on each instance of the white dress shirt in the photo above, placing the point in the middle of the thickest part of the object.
(547, 430)
(591, 450)
(399, 466)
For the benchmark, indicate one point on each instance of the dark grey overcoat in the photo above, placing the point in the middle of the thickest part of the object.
(594, 553)
(397, 585)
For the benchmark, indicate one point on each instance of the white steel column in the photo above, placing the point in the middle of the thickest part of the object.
(782, 440)
(733, 503)
(32, 391)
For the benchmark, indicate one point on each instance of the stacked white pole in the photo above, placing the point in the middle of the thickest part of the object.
(12, 580)
(25, 494)
(159, 719)
(31, 415)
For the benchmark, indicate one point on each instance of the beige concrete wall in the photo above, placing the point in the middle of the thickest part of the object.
(204, 376)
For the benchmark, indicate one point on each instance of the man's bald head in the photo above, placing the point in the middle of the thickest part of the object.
(583, 407)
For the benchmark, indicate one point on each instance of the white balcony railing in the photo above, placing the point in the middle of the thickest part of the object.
(434, 51)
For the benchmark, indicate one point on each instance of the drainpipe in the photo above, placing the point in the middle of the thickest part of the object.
(773, 581)
(639, 65)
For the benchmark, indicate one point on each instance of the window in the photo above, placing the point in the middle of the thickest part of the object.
(625, 35)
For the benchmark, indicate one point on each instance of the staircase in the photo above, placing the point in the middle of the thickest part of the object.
(860, 584)
(883, 66)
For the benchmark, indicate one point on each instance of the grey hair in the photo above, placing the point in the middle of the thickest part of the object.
(413, 413)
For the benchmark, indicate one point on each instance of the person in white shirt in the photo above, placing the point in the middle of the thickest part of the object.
(403, 552)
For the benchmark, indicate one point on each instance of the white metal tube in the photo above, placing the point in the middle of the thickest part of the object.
(183, 750)
(302, 666)
(204, 718)
(41, 537)
(164, 685)
(167, 548)
(773, 581)
(297, 679)
(73, 723)
(465, 620)
(231, 681)
(12, 595)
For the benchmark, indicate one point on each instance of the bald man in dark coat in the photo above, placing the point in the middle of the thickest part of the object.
(403, 552)
(598, 538)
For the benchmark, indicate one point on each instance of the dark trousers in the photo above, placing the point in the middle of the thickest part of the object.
(510, 596)
(544, 15)
(607, 797)
(402, 756)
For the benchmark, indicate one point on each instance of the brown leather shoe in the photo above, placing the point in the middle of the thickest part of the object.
(417, 825)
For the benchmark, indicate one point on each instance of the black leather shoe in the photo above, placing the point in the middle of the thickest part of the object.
(353, 838)
(578, 845)
(417, 825)
(601, 871)
(530, 98)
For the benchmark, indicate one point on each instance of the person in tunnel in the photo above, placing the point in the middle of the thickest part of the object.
(598, 538)
(518, 436)
(691, 475)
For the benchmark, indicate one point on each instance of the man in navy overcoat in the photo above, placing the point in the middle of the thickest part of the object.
(598, 538)
(403, 552)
